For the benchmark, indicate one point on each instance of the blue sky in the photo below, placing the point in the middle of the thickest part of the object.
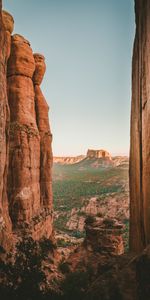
(88, 49)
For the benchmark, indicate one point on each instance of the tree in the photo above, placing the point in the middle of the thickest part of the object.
(23, 276)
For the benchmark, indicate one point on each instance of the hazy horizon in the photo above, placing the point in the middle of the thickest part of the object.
(112, 154)
(88, 49)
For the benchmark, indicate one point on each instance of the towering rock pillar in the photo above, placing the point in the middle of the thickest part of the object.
(140, 131)
(6, 27)
(29, 216)
(46, 157)
(24, 152)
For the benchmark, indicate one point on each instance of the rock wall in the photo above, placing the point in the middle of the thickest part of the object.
(25, 141)
(46, 158)
(140, 131)
(5, 222)
(30, 155)
(24, 150)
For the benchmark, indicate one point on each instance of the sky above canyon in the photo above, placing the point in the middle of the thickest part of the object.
(88, 49)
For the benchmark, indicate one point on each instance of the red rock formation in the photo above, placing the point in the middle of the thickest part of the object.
(29, 178)
(105, 236)
(24, 157)
(140, 132)
(5, 223)
(25, 141)
(68, 160)
(46, 157)
(98, 154)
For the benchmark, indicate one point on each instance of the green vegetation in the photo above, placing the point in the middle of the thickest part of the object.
(22, 275)
(126, 235)
(74, 185)
(75, 285)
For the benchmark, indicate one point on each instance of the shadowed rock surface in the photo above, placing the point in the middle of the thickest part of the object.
(140, 131)
(5, 223)
(46, 157)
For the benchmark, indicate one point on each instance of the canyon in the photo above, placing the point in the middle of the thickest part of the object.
(93, 186)
(97, 204)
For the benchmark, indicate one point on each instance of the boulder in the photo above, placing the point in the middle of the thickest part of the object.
(8, 21)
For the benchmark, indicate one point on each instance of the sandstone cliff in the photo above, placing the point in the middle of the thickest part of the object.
(25, 142)
(46, 159)
(5, 222)
(91, 154)
(140, 132)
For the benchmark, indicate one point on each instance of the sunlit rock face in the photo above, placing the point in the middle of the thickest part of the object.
(46, 157)
(40, 68)
(25, 141)
(29, 181)
(5, 222)
(24, 151)
(98, 154)
(8, 21)
(140, 131)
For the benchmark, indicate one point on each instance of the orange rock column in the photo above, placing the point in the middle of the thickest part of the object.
(46, 157)
(24, 152)
(6, 28)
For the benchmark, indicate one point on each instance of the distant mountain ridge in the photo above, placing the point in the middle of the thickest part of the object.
(95, 158)
(68, 160)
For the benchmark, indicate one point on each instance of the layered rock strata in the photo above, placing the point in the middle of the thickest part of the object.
(24, 150)
(103, 241)
(104, 236)
(30, 156)
(25, 141)
(98, 154)
(140, 131)
(46, 158)
(5, 222)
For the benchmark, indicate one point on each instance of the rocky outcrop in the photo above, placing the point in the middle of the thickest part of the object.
(5, 222)
(113, 206)
(8, 21)
(140, 132)
(30, 157)
(68, 160)
(104, 236)
(103, 240)
(98, 154)
(25, 141)
(46, 158)
(24, 151)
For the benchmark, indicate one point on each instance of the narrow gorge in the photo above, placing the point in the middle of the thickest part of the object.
(100, 266)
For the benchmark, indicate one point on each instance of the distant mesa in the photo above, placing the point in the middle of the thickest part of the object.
(91, 154)
(93, 158)
(98, 154)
